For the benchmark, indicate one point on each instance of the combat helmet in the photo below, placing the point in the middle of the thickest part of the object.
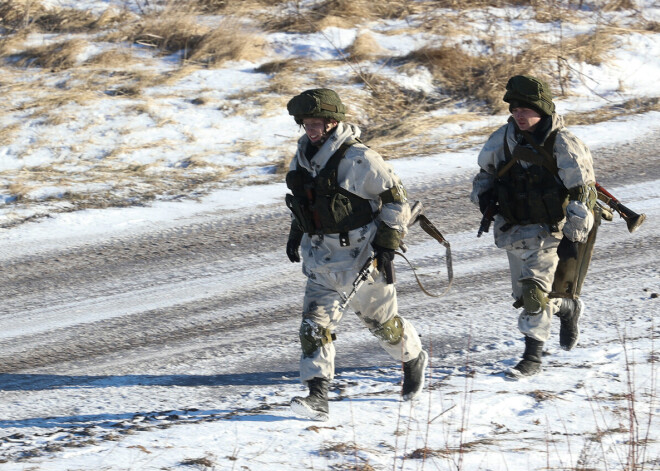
(316, 103)
(529, 92)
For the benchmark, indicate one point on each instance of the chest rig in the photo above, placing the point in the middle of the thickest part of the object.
(321, 206)
(532, 194)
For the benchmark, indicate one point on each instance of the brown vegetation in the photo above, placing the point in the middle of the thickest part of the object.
(395, 116)
(57, 56)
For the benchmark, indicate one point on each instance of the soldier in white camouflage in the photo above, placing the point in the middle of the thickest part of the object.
(540, 179)
(347, 204)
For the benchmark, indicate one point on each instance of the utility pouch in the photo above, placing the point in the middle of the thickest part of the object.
(340, 207)
(555, 201)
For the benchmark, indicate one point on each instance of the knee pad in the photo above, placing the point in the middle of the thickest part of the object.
(533, 297)
(313, 337)
(391, 331)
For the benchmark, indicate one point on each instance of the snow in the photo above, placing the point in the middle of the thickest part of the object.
(580, 413)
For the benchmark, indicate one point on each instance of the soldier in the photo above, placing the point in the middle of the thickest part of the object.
(541, 179)
(347, 203)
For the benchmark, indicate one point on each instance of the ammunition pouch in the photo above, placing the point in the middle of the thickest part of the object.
(531, 196)
(396, 194)
(570, 273)
(587, 194)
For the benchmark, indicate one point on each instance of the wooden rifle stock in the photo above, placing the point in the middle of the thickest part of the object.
(633, 220)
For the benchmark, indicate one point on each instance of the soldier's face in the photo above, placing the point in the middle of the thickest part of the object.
(317, 128)
(526, 118)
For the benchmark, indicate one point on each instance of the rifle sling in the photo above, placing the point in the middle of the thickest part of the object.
(431, 230)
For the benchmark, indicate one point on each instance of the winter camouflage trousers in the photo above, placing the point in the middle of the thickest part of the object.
(375, 304)
(536, 260)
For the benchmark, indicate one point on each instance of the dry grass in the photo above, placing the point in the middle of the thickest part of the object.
(13, 43)
(608, 113)
(232, 7)
(228, 43)
(592, 48)
(466, 76)
(21, 14)
(395, 120)
(175, 31)
(8, 132)
(168, 32)
(57, 56)
(16, 14)
(113, 59)
(342, 13)
(365, 47)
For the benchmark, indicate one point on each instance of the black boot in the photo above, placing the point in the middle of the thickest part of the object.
(531, 362)
(569, 314)
(314, 406)
(413, 376)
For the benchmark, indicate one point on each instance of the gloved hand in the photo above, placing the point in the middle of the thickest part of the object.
(385, 261)
(293, 244)
(567, 249)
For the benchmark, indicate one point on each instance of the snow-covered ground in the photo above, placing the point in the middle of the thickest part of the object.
(593, 408)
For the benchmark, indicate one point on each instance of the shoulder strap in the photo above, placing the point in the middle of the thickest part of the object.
(333, 161)
(545, 152)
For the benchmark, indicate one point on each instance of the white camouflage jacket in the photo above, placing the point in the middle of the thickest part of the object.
(363, 172)
(575, 167)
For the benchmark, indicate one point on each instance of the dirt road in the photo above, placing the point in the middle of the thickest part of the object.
(219, 297)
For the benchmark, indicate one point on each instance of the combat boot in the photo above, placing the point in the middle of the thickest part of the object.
(569, 314)
(314, 406)
(531, 362)
(413, 376)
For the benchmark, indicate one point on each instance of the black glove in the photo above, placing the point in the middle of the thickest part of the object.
(385, 262)
(293, 244)
(485, 199)
(567, 249)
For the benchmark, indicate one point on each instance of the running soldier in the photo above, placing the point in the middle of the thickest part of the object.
(539, 179)
(347, 204)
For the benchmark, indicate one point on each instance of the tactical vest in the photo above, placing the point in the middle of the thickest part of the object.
(321, 206)
(532, 195)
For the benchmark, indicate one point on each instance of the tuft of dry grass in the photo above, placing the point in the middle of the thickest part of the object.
(112, 59)
(465, 76)
(227, 43)
(16, 14)
(8, 132)
(174, 31)
(57, 56)
(168, 32)
(592, 48)
(13, 43)
(342, 13)
(21, 14)
(365, 47)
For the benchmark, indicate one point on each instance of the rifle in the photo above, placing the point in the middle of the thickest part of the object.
(362, 276)
(368, 267)
(633, 220)
(488, 217)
